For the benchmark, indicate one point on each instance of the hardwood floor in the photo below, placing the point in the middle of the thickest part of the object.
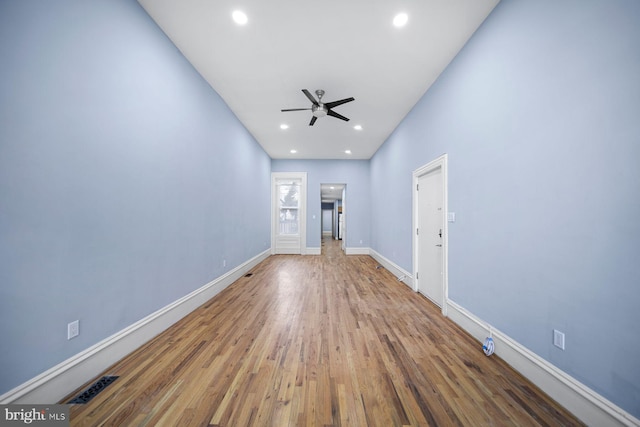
(323, 340)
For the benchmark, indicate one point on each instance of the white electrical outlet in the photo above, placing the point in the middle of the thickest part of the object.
(73, 329)
(224, 262)
(558, 339)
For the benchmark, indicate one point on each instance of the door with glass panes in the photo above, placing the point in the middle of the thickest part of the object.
(288, 230)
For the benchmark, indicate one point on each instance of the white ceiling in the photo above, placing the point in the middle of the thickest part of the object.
(331, 192)
(347, 48)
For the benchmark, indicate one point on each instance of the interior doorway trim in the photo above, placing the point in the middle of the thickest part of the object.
(440, 162)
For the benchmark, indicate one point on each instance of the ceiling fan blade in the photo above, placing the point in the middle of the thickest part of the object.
(296, 109)
(336, 115)
(313, 120)
(311, 98)
(336, 103)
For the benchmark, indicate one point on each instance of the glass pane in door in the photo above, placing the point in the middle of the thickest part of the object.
(288, 206)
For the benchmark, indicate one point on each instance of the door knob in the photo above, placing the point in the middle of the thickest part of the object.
(439, 245)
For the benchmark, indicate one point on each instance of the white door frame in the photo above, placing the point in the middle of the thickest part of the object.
(344, 218)
(275, 176)
(440, 162)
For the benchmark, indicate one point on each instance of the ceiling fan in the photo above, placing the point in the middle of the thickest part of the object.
(318, 109)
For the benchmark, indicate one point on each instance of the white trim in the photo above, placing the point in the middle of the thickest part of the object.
(402, 275)
(275, 176)
(356, 251)
(342, 231)
(313, 251)
(589, 406)
(440, 162)
(62, 379)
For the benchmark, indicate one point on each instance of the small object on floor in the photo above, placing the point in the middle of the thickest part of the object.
(488, 346)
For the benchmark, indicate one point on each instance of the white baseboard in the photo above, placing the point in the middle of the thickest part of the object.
(356, 251)
(62, 379)
(396, 270)
(590, 407)
(313, 251)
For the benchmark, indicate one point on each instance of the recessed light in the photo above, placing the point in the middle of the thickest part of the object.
(357, 127)
(293, 151)
(239, 17)
(284, 126)
(347, 151)
(400, 20)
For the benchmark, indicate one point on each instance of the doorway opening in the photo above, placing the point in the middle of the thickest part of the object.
(333, 219)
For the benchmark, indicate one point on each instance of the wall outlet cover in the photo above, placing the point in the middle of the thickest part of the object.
(73, 329)
(558, 339)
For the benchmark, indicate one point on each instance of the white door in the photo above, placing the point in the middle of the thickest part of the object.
(430, 242)
(288, 224)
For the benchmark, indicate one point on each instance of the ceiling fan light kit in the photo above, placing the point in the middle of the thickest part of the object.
(320, 109)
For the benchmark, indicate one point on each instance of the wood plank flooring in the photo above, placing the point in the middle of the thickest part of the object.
(323, 340)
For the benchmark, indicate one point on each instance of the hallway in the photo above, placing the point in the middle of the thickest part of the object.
(331, 247)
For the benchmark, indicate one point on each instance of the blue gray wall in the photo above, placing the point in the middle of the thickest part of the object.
(327, 223)
(540, 117)
(125, 180)
(355, 174)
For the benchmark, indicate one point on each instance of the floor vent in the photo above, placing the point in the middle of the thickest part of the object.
(248, 275)
(93, 391)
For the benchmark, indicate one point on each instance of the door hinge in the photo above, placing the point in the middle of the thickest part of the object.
(417, 276)
(417, 187)
(417, 231)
